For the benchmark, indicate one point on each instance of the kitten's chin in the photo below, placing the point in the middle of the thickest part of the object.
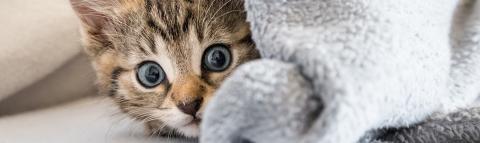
(183, 124)
(191, 130)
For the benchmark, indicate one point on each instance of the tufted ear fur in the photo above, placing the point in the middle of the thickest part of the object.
(94, 18)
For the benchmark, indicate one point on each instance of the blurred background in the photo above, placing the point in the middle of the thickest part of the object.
(47, 87)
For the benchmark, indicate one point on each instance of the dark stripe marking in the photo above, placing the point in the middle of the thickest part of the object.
(186, 22)
(114, 81)
(148, 5)
(152, 44)
(142, 49)
(152, 24)
(246, 39)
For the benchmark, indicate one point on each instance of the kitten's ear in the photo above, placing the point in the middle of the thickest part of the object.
(92, 14)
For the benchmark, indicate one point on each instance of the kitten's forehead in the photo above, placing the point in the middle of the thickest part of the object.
(175, 18)
(175, 21)
(176, 31)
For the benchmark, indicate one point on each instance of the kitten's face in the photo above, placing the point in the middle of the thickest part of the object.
(162, 60)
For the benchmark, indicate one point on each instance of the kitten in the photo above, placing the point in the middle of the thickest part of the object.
(161, 60)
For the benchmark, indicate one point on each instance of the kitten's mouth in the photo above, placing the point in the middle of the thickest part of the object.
(191, 129)
(195, 121)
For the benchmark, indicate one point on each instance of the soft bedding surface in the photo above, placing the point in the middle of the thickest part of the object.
(459, 127)
(91, 120)
(37, 38)
(345, 71)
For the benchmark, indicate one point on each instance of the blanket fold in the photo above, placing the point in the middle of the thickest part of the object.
(336, 71)
(459, 127)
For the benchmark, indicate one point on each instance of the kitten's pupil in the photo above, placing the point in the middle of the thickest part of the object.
(152, 74)
(217, 58)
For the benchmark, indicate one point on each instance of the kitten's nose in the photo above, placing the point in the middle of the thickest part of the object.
(190, 108)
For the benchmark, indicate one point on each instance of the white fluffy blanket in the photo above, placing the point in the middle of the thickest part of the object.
(335, 70)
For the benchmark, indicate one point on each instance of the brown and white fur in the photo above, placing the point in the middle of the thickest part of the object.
(120, 34)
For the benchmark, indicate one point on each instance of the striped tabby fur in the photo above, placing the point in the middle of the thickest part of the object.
(120, 34)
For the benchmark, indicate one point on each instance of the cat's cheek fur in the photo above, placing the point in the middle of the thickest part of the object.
(104, 65)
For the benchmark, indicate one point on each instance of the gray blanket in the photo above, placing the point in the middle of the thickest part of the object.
(459, 127)
(343, 71)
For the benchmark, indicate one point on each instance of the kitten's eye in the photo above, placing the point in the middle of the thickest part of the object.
(216, 58)
(150, 74)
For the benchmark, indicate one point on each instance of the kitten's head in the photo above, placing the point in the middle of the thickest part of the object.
(162, 60)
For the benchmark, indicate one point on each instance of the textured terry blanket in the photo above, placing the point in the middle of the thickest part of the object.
(342, 71)
(459, 127)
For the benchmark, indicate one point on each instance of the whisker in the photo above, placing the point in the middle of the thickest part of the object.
(208, 11)
(226, 13)
(213, 17)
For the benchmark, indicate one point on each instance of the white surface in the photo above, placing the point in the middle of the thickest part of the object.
(92, 120)
(72, 81)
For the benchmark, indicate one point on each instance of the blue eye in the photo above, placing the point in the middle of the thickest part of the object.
(150, 74)
(216, 58)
